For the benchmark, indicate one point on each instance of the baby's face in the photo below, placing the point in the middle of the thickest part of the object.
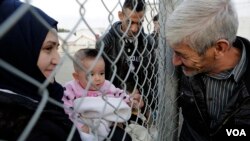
(94, 74)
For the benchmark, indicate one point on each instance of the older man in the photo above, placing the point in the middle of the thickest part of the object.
(214, 86)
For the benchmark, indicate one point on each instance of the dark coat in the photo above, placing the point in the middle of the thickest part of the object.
(196, 120)
(16, 112)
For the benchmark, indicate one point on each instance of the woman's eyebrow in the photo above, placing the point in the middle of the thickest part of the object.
(53, 42)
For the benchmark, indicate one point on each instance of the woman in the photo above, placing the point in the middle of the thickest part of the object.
(31, 48)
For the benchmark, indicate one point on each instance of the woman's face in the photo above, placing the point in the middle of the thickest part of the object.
(49, 56)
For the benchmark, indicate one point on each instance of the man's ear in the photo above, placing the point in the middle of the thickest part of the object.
(120, 15)
(221, 47)
(75, 75)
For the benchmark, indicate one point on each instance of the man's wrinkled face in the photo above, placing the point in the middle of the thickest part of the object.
(191, 62)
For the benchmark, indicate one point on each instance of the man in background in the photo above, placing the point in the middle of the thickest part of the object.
(130, 57)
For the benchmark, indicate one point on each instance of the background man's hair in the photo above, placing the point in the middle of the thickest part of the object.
(156, 17)
(137, 5)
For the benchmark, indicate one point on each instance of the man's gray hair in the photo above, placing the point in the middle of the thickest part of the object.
(200, 23)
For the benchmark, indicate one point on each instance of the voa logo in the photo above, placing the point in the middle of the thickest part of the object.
(236, 132)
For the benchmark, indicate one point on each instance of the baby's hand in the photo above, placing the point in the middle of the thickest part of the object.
(136, 100)
(85, 129)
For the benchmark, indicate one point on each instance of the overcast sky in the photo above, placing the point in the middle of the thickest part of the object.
(66, 12)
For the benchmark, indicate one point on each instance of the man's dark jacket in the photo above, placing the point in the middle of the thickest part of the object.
(236, 115)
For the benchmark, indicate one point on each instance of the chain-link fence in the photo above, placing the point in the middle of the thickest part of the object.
(139, 63)
(154, 77)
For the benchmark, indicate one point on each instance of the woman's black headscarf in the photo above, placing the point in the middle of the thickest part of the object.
(20, 47)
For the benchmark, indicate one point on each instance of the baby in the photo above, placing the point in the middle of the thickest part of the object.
(92, 102)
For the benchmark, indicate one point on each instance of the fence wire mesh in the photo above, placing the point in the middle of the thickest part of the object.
(158, 87)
